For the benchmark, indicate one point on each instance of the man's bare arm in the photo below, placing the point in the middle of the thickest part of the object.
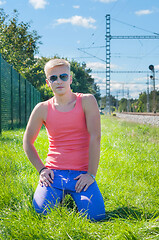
(34, 125)
(93, 125)
(32, 130)
(94, 129)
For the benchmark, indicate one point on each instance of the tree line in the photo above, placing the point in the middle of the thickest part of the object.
(145, 103)
(19, 46)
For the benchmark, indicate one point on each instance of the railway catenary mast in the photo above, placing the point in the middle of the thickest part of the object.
(108, 38)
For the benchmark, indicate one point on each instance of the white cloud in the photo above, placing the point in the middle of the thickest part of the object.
(76, 6)
(143, 12)
(78, 21)
(107, 1)
(101, 82)
(157, 87)
(98, 79)
(140, 79)
(99, 65)
(2, 2)
(38, 3)
(134, 89)
(156, 67)
(96, 65)
(117, 86)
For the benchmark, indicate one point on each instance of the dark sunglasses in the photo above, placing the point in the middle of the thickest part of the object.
(63, 77)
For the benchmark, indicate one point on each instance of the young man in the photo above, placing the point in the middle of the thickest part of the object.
(72, 121)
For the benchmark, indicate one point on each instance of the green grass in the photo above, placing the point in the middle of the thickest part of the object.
(128, 178)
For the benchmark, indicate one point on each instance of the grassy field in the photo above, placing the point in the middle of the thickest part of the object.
(128, 178)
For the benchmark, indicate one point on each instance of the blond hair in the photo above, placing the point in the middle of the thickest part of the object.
(54, 63)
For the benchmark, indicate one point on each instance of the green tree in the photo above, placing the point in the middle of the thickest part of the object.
(35, 73)
(142, 101)
(151, 97)
(46, 92)
(97, 93)
(123, 105)
(18, 44)
(82, 80)
(112, 102)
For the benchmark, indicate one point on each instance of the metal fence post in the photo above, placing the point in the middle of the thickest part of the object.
(19, 101)
(30, 98)
(25, 103)
(11, 81)
(33, 96)
(0, 100)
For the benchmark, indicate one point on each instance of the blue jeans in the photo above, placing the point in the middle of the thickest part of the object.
(89, 203)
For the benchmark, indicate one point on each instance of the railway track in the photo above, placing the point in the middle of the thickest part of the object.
(144, 118)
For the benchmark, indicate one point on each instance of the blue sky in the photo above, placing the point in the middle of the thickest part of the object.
(66, 25)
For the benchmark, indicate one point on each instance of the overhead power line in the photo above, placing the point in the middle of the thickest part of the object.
(134, 37)
(91, 55)
(134, 26)
(91, 47)
(124, 71)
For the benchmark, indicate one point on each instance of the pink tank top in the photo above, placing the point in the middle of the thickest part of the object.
(68, 137)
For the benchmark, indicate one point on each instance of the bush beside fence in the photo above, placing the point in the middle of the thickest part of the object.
(17, 97)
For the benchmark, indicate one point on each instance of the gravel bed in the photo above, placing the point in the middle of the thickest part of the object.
(144, 119)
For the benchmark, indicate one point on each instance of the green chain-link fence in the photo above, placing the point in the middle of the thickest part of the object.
(17, 98)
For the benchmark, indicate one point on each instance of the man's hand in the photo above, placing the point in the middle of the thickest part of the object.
(84, 181)
(46, 177)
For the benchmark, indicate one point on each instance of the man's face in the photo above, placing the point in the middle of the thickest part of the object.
(59, 86)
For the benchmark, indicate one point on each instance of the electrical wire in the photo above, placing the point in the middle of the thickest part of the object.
(113, 6)
(130, 25)
(91, 55)
(134, 26)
